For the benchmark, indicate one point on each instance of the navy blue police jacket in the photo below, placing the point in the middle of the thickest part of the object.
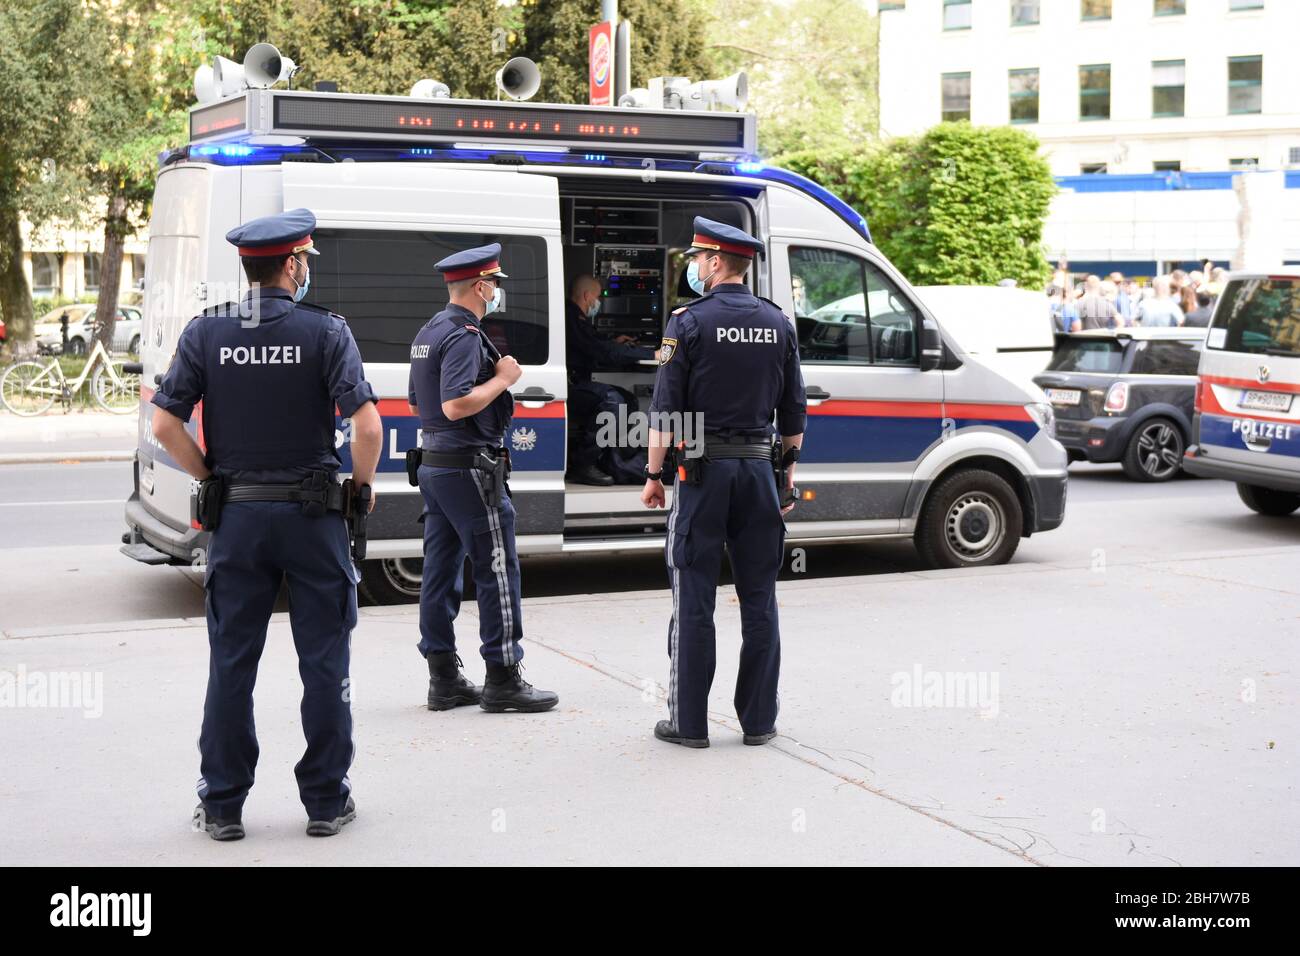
(270, 373)
(732, 358)
(585, 349)
(450, 355)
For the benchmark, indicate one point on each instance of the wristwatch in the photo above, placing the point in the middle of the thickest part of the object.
(654, 475)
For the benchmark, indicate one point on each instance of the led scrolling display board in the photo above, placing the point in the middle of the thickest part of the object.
(409, 119)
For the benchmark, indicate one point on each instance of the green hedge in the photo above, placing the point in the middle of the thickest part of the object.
(957, 205)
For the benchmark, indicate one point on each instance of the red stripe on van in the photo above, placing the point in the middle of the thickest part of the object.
(867, 409)
(398, 408)
(1253, 384)
(1210, 404)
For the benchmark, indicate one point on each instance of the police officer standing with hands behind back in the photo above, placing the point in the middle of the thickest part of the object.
(270, 372)
(729, 360)
(460, 389)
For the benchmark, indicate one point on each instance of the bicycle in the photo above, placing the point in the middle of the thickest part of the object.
(30, 388)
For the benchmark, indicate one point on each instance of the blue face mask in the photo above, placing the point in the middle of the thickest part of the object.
(301, 292)
(693, 277)
(494, 304)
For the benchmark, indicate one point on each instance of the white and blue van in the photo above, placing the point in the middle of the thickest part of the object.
(907, 436)
(1246, 426)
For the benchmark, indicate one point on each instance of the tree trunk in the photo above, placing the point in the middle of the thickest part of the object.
(15, 294)
(116, 226)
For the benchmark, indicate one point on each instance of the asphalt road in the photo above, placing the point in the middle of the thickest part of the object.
(60, 528)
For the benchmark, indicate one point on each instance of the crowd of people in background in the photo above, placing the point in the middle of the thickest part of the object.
(1179, 298)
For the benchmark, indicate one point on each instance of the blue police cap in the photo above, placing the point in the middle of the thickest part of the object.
(480, 262)
(283, 234)
(714, 236)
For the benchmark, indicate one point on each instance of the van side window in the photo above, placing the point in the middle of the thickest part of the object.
(384, 284)
(847, 311)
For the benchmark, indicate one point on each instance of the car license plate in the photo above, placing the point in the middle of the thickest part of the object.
(1267, 401)
(1063, 396)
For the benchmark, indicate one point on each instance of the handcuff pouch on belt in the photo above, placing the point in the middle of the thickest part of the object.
(205, 505)
(315, 489)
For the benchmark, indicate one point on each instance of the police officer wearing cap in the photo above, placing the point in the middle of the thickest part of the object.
(270, 371)
(729, 361)
(460, 389)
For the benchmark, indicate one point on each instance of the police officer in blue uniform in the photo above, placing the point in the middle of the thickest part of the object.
(270, 371)
(460, 389)
(586, 350)
(728, 361)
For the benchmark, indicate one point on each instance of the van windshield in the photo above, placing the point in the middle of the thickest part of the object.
(1086, 355)
(1260, 315)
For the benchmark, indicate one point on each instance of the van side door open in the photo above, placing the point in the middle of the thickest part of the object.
(381, 228)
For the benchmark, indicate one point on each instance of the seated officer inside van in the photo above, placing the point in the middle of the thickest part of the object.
(585, 351)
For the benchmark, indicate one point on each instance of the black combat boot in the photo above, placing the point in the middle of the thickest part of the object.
(506, 689)
(326, 828)
(448, 687)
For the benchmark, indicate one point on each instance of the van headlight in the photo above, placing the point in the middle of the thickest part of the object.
(1044, 415)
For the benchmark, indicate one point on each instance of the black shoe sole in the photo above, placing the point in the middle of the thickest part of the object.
(695, 743)
(501, 707)
(327, 828)
(449, 703)
(757, 740)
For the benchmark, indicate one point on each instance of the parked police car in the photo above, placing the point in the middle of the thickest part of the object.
(1247, 422)
(907, 436)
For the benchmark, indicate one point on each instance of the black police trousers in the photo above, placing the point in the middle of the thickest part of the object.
(258, 545)
(735, 506)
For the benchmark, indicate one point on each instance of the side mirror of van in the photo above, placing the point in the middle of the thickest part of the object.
(931, 347)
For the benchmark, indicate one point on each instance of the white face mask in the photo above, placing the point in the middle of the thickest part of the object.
(495, 302)
(593, 310)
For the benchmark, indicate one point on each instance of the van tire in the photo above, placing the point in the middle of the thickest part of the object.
(1268, 501)
(391, 581)
(1151, 444)
(961, 512)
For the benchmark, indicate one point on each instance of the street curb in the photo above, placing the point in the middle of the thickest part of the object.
(71, 457)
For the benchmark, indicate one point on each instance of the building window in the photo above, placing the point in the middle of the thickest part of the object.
(1170, 8)
(956, 14)
(1094, 92)
(1245, 5)
(1293, 156)
(1094, 10)
(1245, 84)
(45, 273)
(956, 96)
(1167, 166)
(1244, 163)
(1024, 96)
(1093, 169)
(1168, 87)
(90, 262)
(1024, 12)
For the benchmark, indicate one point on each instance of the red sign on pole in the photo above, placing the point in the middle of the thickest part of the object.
(600, 50)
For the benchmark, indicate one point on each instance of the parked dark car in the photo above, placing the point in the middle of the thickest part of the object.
(1125, 395)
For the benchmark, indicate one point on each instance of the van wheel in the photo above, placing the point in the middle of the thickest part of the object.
(391, 580)
(971, 519)
(1155, 452)
(1269, 501)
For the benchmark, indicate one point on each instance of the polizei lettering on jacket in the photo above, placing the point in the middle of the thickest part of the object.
(746, 335)
(261, 355)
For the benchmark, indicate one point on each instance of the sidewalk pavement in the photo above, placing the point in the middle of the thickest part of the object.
(1133, 714)
(75, 436)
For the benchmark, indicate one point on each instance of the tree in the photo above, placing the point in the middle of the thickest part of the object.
(44, 125)
(959, 204)
(668, 39)
(812, 67)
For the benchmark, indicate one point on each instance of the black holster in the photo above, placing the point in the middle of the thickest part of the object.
(356, 509)
(496, 468)
(413, 458)
(690, 469)
(205, 505)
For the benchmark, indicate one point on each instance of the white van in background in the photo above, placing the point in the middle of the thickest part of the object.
(1246, 426)
(908, 435)
(1010, 330)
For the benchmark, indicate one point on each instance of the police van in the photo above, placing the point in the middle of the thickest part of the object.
(907, 436)
(1246, 423)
